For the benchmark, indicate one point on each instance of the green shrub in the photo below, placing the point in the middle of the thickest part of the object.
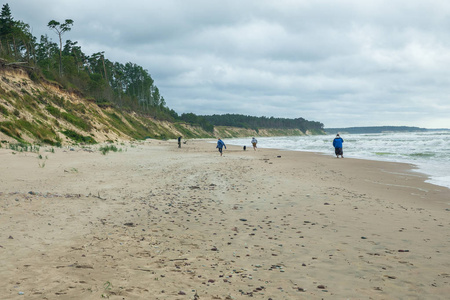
(14, 94)
(51, 142)
(106, 149)
(40, 98)
(19, 147)
(60, 101)
(24, 147)
(53, 111)
(77, 121)
(33, 76)
(38, 130)
(9, 129)
(30, 103)
(78, 137)
(3, 110)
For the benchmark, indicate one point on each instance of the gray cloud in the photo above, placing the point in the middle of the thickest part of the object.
(343, 63)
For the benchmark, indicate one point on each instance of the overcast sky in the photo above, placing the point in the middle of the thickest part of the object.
(340, 62)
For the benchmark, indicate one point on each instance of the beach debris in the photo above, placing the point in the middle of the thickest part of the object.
(243, 220)
(107, 286)
(363, 238)
(130, 224)
(403, 250)
(321, 286)
(181, 293)
(214, 248)
(10, 237)
(83, 266)
(276, 267)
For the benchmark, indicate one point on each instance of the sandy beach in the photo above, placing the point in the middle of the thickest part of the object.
(153, 221)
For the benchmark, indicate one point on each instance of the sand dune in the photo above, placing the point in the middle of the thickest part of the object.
(157, 222)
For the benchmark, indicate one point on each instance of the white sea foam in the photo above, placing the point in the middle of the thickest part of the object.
(429, 151)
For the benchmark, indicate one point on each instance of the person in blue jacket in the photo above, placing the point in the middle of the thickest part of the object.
(220, 145)
(337, 144)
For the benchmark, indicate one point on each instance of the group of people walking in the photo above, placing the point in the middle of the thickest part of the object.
(337, 144)
(221, 145)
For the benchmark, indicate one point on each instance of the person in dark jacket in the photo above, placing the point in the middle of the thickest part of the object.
(220, 145)
(337, 144)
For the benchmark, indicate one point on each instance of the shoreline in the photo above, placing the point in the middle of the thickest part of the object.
(158, 222)
(422, 167)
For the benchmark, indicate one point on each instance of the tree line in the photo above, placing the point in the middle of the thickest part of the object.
(251, 122)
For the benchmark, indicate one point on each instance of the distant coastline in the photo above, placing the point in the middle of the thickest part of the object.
(380, 129)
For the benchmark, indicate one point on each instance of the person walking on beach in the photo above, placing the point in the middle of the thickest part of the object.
(337, 144)
(179, 142)
(254, 142)
(220, 145)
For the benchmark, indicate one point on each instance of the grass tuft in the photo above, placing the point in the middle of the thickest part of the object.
(106, 149)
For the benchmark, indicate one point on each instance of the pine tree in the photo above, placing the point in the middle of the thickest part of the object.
(60, 29)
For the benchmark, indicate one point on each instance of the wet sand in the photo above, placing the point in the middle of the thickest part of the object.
(157, 222)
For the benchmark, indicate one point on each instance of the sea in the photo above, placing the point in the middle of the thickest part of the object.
(429, 151)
